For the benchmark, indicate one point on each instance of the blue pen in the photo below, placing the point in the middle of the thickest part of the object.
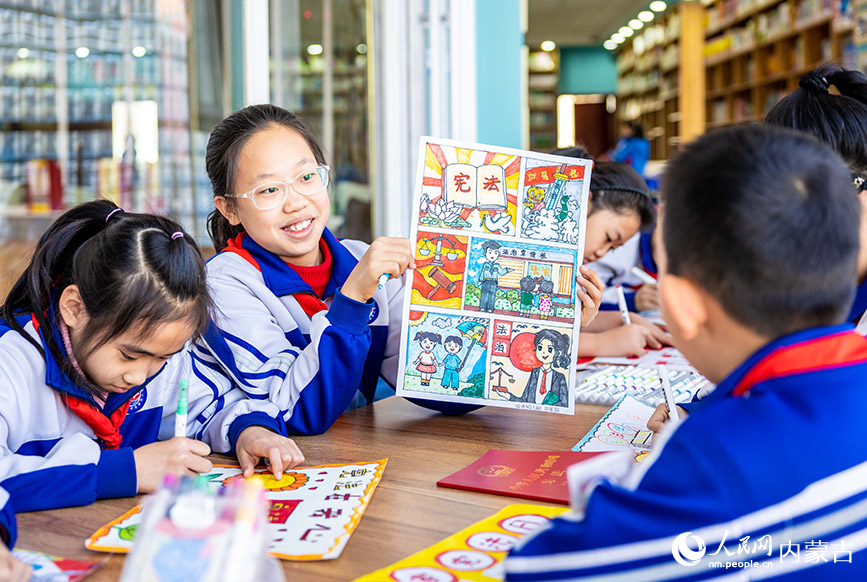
(383, 279)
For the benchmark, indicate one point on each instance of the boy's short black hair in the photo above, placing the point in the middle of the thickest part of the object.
(765, 220)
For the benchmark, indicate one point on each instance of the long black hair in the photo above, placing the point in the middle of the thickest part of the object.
(131, 270)
(560, 341)
(225, 145)
(837, 120)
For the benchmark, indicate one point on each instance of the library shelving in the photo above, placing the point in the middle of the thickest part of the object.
(756, 51)
(648, 67)
(542, 86)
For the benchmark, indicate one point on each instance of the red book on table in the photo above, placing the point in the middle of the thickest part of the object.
(537, 475)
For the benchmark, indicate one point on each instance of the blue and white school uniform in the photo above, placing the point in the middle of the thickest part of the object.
(50, 457)
(777, 449)
(615, 269)
(7, 519)
(310, 365)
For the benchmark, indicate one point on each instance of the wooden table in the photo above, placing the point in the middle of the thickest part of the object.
(408, 511)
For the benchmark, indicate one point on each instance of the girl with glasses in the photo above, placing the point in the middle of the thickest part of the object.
(300, 318)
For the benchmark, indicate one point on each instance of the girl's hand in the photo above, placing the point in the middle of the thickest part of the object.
(660, 417)
(256, 442)
(647, 297)
(11, 570)
(627, 340)
(663, 337)
(386, 255)
(590, 300)
(177, 456)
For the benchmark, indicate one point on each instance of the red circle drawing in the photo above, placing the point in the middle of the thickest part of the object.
(522, 352)
(415, 315)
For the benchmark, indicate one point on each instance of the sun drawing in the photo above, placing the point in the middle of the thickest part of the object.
(290, 481)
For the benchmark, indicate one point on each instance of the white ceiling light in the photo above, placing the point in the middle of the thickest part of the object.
(658, 6)
(625, 31)
(609, 44)
(635, 24)
(617, 37)
(548, 46)
(645, 16)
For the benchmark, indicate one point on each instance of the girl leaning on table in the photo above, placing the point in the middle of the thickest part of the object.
(92, 348)
(301, 317)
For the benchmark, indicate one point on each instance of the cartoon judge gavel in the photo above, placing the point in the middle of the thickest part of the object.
(442, 282)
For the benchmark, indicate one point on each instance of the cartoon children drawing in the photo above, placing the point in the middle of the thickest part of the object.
(452, 362)
(527, 284)
(544, 299)
(489, 275)
(427, 360)
(546, 385)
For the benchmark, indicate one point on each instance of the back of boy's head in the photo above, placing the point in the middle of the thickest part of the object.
(575, 151)
(619, 188)
(839, 120)
(224, 146)
(766, 221)
(133, 271)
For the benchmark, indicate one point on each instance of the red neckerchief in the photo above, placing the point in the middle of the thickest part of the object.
(311, 304)
(106, 428)
(831, 351)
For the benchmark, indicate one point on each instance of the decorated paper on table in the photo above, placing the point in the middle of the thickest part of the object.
(491, 307)
(313, 512)
(624, 427)
(47, 568)
(474, 554)
(669, 357)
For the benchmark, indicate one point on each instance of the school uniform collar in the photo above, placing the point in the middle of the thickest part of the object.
(859, 306)
(645, 241)
(57, 379)
(281, 279)
(809, 350)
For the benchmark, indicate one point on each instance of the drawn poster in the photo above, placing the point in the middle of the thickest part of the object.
(624, 427)
(498, 243)
(474, 554)
(47, 568)
(325, 504)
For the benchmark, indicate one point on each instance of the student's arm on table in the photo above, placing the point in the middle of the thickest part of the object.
(310, 385)
(221, 415)
(391, 359)
(625, 341)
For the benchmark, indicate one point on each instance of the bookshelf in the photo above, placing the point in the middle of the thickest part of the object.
(64, 66)
(756, 51)
(542, 86)
(648, 66)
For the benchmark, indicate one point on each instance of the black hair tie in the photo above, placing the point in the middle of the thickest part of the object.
(814, 82)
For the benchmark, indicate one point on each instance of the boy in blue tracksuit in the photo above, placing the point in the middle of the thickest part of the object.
(766, 477)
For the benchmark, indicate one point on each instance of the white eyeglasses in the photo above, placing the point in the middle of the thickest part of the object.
(272, 194)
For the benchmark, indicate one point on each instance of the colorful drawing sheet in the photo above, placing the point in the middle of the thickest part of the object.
(314, 510)
(47, 568)
(492, 313)
(624, 427)
(474, 554)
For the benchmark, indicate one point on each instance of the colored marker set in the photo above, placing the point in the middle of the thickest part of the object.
(190, 533)
(608, 384)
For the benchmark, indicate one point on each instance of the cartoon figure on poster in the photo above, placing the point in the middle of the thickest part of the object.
(438, 279)
(535, 362)
(551, 204)
(470, 190)
(446, 354)
(521, 280)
